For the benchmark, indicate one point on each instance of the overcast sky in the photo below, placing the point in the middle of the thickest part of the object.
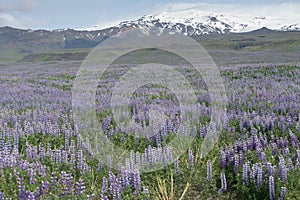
(56, 14)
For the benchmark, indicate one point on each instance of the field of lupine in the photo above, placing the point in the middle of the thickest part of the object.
(256, 157)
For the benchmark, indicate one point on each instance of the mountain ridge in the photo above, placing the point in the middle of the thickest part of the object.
(21, 42)
(196, 21)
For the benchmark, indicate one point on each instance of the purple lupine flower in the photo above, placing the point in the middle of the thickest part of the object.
(282, 170)
(283, 174)
(223, 159)
(223, 184)
(109, 161)
(237, 146)
(72, 147)
(256, 142)
(80, 187)
(63, 183)
(66, 181)
(269, 170)
(208, 170)
(30, 195)
(111, 182)
(271, 188)
(21, 188)
(34, 154)
(246, 171)
(64, 156)
(138, 158)
(286, 152)
(125, 178)
(259, 153)
(274, 148)
(290, 164)
(28, 151)
(264, 141)
(241, 160)
(286, 142)
(44, 187)
(259, 175)
(1, 144)
(90, 196)
(231, 154)
(236, 163)
(100, 166)
(294, 139)
(43, 171)
(250, 144)
(80, 160)
(104, 189)
(298, 158)
(263, 157)
(115, 187)
(202, 131)
(57, 156)
(253, 173)
(245, 147)
(280, 143)
(282, 193)
(70, 182)
(137, 179)
(41, 153)
(176, 167)
(32, 176)
(53, 180)
(72, 158)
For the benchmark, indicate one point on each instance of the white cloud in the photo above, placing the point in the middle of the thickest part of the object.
(12, 14)
(178, 6)
(275, 13)
(21, 6)
(264, 9)
(9, 20)
(22, 22)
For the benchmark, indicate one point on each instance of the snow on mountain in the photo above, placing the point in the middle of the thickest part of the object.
(197, 22)
(293, 27)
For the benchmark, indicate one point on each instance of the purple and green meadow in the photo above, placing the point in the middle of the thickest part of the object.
(256, 157)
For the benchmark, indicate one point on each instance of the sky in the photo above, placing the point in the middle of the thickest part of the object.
(57, 14)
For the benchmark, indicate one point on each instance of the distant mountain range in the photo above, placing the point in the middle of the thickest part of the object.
(199, 22)
(189, 22)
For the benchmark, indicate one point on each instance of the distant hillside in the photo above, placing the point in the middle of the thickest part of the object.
(68, 44)
(60, 56)
(263, 30)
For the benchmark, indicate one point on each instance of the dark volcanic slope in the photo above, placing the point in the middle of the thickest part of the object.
(68, 44)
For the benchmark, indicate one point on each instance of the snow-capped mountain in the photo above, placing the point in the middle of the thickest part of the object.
(197, 22)
(190, 22)
(293, 27)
